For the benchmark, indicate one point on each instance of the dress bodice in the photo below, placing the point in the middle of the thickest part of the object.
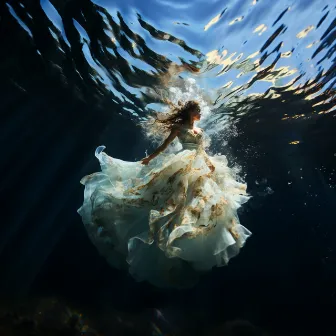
(189, 138)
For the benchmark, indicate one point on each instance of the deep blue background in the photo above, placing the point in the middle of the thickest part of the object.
(284, 279)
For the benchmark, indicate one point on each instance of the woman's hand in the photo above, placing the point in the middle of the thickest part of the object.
(146, 160)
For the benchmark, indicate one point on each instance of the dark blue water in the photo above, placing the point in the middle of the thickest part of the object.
(78, 74)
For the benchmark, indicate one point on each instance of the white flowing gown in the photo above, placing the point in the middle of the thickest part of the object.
(168, 221)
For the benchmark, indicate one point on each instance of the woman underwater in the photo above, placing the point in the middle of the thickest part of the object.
(169, 216)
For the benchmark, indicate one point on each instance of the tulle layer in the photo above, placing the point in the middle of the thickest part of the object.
(167, 221)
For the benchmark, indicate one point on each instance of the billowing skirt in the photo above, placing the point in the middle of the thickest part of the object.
(168, 221)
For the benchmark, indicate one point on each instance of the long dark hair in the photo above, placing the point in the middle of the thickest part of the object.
(178, 114)
(158, 126)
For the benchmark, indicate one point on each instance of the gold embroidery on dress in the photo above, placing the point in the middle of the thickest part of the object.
(233, 230)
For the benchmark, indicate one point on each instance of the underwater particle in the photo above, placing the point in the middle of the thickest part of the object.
(269, 190)
(261, 181)
(294, 142)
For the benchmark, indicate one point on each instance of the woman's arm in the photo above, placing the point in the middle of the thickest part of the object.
(174, 132)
